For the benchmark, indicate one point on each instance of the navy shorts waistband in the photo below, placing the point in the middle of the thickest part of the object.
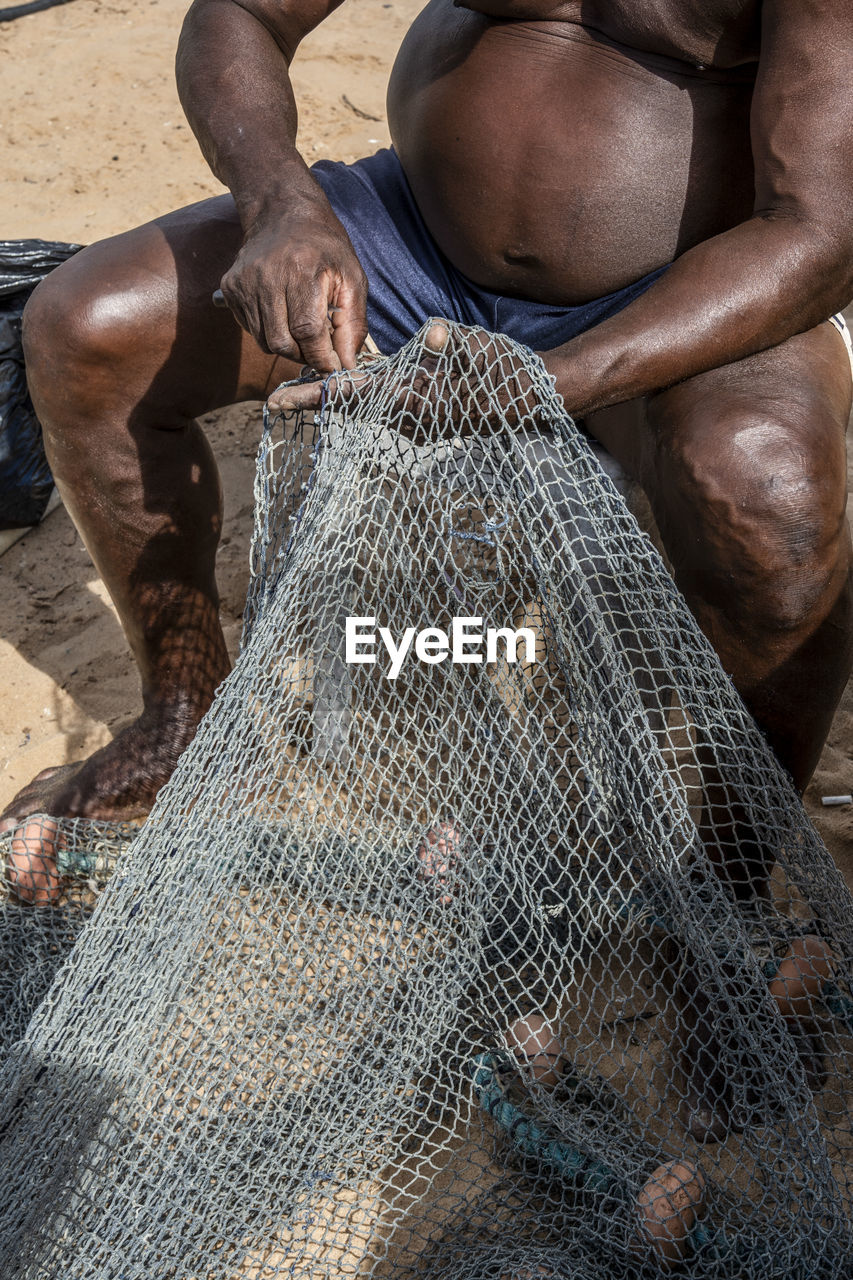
(410, 279)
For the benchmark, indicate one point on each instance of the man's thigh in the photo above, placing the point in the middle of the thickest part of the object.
(142, 302)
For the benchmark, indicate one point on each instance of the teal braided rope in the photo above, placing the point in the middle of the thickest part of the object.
(527, 1137)
(581, 1171)
(85, 864)
(84, 848)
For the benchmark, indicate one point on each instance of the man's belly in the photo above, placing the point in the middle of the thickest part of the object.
(550, 163)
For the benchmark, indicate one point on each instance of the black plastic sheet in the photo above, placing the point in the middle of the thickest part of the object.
(25, 479)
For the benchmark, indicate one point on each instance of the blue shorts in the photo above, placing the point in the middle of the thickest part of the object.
(410, 279)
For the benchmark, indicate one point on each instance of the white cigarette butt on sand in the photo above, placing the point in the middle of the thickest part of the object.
(836, 799)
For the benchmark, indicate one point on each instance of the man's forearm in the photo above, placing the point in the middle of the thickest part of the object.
(233, 81)
(741, 292)
(296, 285)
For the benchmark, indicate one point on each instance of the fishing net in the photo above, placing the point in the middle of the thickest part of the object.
(524, 966)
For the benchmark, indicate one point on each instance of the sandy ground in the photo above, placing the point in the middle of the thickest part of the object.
(94, 141)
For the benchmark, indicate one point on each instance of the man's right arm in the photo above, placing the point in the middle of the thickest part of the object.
(297, 266)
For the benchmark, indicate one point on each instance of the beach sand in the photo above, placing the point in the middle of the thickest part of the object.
(93, 141)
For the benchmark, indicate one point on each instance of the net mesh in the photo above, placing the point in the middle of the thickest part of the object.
(495, 970)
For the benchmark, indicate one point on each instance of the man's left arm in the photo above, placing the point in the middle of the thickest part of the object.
(781, 272)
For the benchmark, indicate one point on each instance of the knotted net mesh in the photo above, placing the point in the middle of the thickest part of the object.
(526, 965)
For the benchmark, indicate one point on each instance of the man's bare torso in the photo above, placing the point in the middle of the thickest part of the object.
(562, 158)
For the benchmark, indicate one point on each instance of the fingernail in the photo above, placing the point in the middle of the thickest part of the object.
(436, 337)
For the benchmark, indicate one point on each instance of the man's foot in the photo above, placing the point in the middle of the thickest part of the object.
(120, 781)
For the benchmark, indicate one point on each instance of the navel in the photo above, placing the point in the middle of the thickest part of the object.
(517, 258)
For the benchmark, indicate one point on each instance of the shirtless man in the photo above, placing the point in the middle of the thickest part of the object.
(558, 156)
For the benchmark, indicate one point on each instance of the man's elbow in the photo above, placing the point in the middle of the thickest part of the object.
(287, 22)
(815, 259)
(828, 268)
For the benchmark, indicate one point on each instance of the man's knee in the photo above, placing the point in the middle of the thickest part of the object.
(76, 335)
(754, 512)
